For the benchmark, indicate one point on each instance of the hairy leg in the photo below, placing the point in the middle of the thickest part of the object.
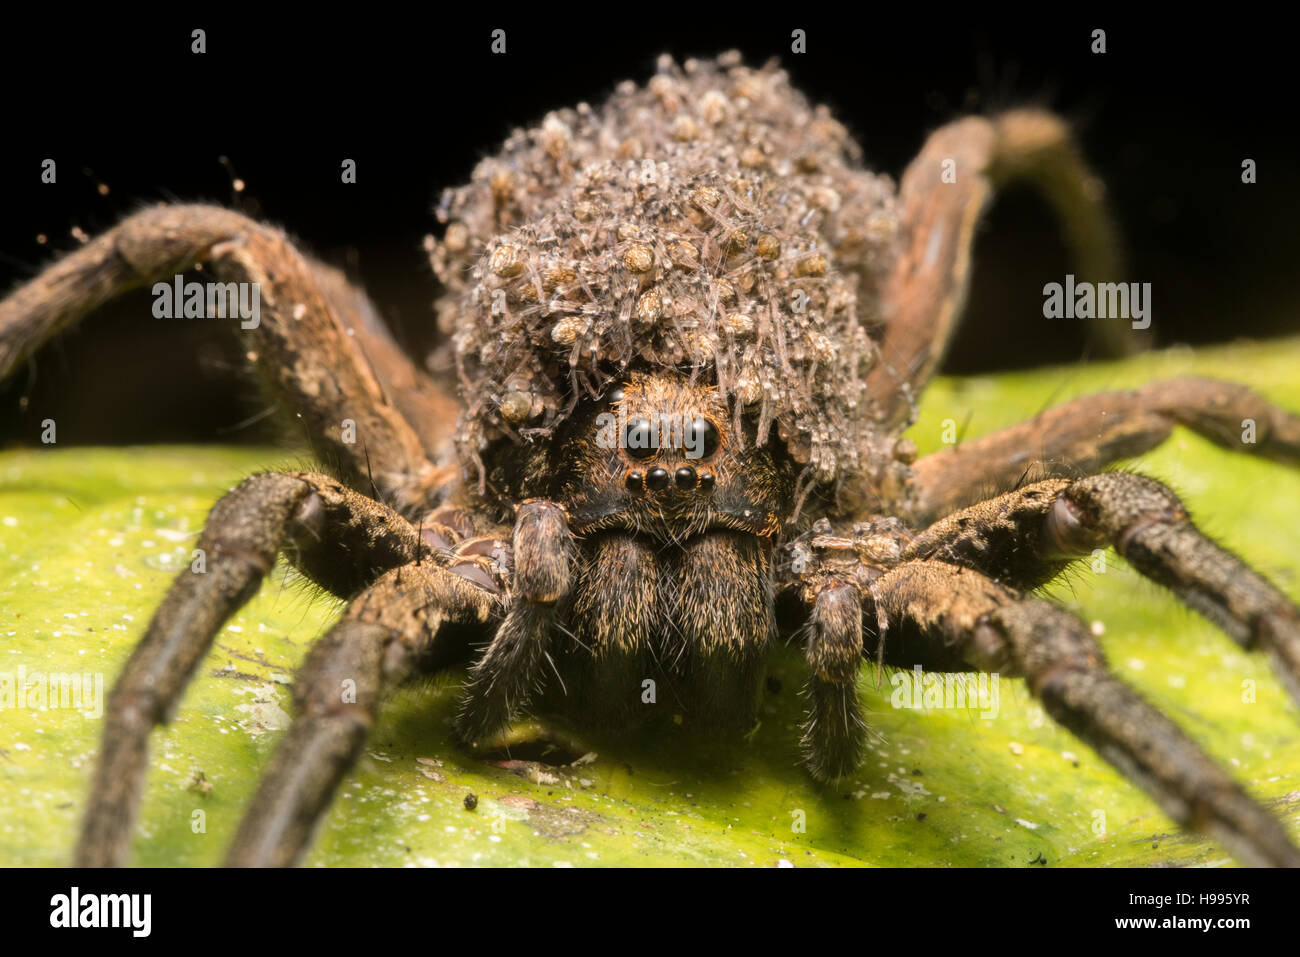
(947, 610)
(834, 732)
(337, 696)
(926, 290)
(822, 577)
(337, 537)
(1090, 433)
(503, 679)
(1026, 537)
(318, 344)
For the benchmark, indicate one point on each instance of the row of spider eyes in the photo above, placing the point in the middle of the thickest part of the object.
(698, 438)
(657, 478)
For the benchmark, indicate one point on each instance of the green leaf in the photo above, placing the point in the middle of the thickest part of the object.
(90, 539)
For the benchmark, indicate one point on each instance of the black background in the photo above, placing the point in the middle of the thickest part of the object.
(1034, 907)
(1166, 116)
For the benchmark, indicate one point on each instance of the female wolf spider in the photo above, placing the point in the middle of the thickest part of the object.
(704, 250)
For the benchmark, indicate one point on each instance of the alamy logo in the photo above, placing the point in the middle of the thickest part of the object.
(1104, 300)
(103, 910)
(215, 300)
(40, 691)
(925, 689)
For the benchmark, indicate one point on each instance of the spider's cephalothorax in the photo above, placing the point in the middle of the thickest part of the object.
(688, 330)
(675, 519)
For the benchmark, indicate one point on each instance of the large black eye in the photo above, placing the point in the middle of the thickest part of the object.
(700, 439)
(639, 438)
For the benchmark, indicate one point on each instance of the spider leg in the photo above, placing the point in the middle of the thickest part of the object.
(946, 610)
(337, 696)
(925, 292)
(834, 732)
(1089, 433)
(316, 341)
(823, 576)
(501, 681)
(338, 538)
(1029, 535)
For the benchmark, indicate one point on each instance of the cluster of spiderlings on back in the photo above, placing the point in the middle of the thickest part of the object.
(711, 221)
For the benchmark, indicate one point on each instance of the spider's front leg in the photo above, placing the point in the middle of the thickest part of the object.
(938, 610)
(336, 537)
(1026, 537)
(502, 680)
(337, 695)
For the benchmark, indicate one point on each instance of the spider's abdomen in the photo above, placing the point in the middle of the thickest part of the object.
(711, 219)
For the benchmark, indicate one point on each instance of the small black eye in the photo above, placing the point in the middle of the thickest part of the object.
(701, 439)
(639, 438)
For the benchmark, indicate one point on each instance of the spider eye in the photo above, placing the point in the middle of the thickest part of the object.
(701, 439)
(638, 438)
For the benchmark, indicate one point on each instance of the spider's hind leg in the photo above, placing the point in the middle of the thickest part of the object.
(1087, 434)
(926, 288)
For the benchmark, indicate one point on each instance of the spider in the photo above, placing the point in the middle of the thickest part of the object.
(685, 333)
